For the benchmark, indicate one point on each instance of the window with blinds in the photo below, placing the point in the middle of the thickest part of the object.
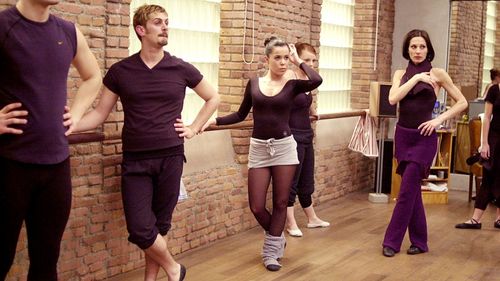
(489, 43)
(335, 62)
(194, 27)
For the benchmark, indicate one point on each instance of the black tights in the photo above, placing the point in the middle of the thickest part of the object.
(258, 182)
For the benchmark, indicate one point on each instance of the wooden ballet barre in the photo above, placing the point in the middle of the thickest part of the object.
(249, 124)
(100, 136)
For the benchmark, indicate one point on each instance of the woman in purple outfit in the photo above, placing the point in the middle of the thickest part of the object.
(416, 89)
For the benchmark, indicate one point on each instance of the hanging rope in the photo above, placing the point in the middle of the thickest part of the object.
(245, 32)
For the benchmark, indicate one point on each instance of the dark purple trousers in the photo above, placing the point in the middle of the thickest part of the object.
(490, 186)
(414, 153)
(150, 190)
(40, 196)
(303, 180)
(409, 212)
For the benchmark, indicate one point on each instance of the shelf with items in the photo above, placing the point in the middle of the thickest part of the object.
(435, 187)
(438, 174)
(461, 149)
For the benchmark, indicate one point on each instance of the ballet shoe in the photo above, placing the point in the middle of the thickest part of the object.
(294, 232)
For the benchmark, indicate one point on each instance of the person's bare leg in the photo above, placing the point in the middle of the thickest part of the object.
(291, 223)
(477, 215)
(152, 269)
(498, 214)
(312, 218)
(159, 253)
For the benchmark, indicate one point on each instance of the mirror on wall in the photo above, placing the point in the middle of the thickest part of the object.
(472, 44)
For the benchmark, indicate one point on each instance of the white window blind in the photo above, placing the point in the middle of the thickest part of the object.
(489, 43)
(194, 28)
(337, 25)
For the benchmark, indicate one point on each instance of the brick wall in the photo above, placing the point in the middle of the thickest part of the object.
(363, 57)
(466, 42)
(95, 243)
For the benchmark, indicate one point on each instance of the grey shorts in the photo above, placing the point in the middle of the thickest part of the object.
(272, 152)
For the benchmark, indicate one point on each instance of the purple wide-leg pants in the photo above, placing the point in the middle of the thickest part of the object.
(409, 211)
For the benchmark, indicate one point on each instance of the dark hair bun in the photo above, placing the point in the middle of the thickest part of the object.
(269, 40)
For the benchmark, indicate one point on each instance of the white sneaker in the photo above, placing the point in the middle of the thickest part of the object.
(294, 232)
(318, 224)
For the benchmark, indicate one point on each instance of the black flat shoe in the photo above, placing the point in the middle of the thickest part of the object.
(183, 273)
(388, 252)
(414, 250)
(473, 159)
(497, 224)
(473, 225)
(273, 267)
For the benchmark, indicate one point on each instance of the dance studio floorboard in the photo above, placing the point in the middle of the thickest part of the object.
(350, 250)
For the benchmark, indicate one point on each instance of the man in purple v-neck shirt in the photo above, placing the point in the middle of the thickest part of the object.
(151, 85)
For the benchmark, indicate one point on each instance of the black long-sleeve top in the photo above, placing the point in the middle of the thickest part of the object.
(272, 113)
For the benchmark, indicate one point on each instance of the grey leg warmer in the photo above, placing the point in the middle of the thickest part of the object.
(281, 251)
(270, 252)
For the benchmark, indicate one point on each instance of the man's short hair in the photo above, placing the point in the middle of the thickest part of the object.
(142, 14)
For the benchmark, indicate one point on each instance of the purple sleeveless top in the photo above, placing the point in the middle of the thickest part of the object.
(34, 63)
(300, 124)
(416, 107)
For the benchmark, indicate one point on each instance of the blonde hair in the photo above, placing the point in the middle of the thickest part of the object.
(142, 14)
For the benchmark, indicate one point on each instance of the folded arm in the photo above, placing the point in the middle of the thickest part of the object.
(305, 86)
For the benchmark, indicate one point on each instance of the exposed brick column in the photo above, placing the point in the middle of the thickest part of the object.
(365, 13)
(467, 42)
(233, 72)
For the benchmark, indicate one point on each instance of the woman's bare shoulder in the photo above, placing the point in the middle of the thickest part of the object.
(398, 74)
(439, 71)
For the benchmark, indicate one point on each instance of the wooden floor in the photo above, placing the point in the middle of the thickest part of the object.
(351, 248)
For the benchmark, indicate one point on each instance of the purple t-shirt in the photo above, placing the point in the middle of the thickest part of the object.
(34, 63)
(271, 114)
(152, 99)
